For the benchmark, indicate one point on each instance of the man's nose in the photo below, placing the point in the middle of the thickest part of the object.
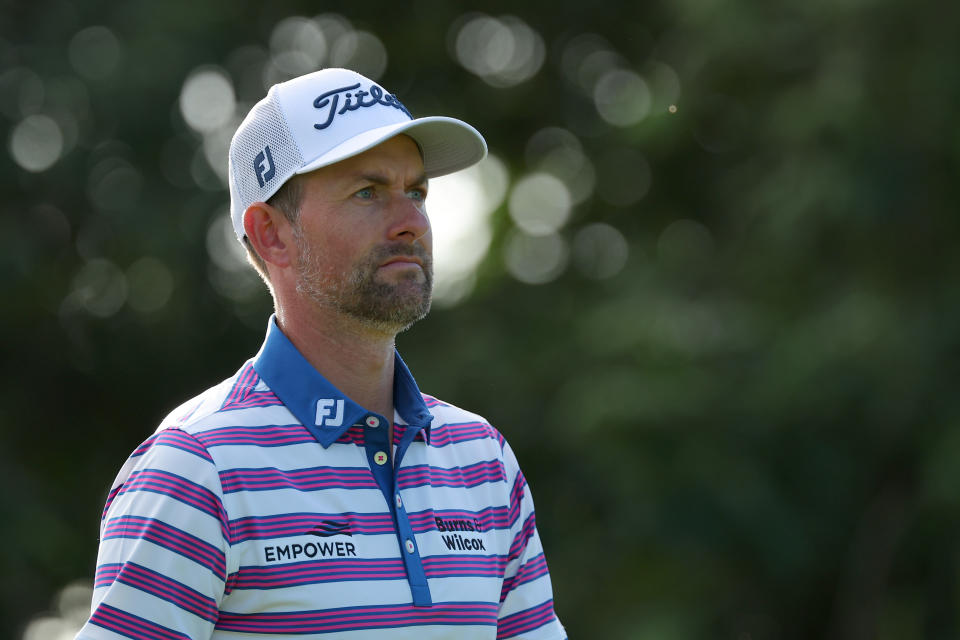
(409, 221)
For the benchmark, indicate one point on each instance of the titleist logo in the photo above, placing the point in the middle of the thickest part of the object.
(353, 100)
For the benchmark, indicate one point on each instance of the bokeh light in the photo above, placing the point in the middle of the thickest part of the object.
(99, 288)
(36, 143)
(298, 45)
(503, 51)
(540, 204)
(622, 97)
(22, 92)
(69, 128)
(216, 147)
(95, 52)
(685, 243)
(150, 285)
(247, 66)
(600, 251)
(207, 100)
(361, 51)
(72, 606)
(114, 184)
(460, 205)
(624, 176)
(586, 57)
(203, 175)
(664, 84)
(229, 272)
(535, 259)
(557, 151)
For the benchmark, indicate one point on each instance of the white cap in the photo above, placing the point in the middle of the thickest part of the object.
(327, 116)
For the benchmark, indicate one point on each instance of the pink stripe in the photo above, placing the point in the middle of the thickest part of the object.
(360, 618)
(262, 436)
(533, 569)
(171, 538)
(178, 488)
(122, 622)
(178, 439)
(430, 401)
(301, 479)
(447, 434)
(527, 620)
(145, 446)
(471, 475)
(159, 585)
(523, 536)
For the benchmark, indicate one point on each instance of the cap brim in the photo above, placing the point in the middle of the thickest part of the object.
(447, 144)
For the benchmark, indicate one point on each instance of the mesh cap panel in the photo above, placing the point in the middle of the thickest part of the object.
(262, 158)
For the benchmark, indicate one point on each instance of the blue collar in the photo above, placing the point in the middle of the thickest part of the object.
(322, 408)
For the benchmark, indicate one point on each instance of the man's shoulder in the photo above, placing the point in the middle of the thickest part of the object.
(447, 412)
(242, 399)
(455, 424)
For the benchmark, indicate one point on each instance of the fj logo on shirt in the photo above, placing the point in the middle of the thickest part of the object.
(329, 412)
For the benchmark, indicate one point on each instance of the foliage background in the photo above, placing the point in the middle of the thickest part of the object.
(747, 432)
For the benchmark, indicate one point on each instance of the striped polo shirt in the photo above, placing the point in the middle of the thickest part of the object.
(273, 506)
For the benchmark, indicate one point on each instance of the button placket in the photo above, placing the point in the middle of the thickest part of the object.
(387, 476)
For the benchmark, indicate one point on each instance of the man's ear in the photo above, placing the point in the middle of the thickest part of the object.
(266, 227)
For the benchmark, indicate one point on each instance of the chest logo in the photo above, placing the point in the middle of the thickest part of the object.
(456, 541)
(329, 412)
(328, 528)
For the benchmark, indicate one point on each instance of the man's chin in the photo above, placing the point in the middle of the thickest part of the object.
(393, 307)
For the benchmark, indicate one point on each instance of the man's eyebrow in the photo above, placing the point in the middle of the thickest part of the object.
(382, 180)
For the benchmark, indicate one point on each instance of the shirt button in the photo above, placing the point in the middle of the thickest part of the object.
(380, 458)
(399, 501)
(410, 547)
(373, 421)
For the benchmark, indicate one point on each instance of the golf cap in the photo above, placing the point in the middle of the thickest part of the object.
(325, 117)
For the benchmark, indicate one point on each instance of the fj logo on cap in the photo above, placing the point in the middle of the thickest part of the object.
(263, 166)
(353, 100)
(326, 415)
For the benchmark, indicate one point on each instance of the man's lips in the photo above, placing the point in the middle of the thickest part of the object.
(403, 261)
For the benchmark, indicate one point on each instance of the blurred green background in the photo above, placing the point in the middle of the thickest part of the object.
(705, 285)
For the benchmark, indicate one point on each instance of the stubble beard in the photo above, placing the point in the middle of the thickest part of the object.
(387, 307)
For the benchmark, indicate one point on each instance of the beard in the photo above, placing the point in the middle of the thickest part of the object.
(389, 307)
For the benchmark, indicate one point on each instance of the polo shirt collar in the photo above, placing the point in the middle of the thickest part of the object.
(319, 406)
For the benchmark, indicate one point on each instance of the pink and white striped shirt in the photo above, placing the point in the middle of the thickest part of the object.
(268, 507)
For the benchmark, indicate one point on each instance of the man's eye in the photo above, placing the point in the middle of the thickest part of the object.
(417, 194)
(366, 193)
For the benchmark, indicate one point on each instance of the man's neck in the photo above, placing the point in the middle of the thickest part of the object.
(356, 359)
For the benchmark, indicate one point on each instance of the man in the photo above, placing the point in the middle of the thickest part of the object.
(318, 493)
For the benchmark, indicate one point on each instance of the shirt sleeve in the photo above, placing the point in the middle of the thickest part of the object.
(526, 599)
(164, 543)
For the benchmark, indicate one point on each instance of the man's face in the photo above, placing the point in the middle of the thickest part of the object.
(364, 243)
